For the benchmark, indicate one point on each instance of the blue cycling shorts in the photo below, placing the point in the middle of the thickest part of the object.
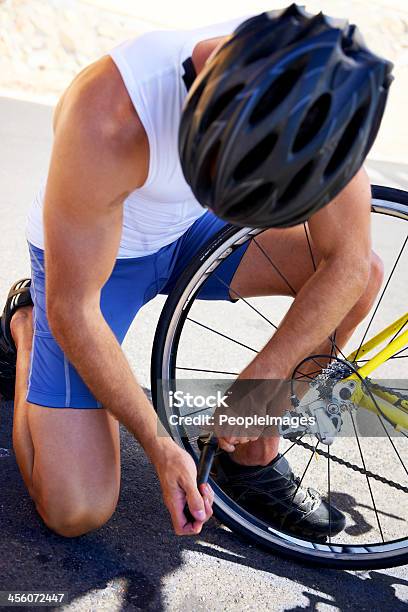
(53, 380)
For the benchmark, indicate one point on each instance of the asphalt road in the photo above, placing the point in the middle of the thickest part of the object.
(135, 562)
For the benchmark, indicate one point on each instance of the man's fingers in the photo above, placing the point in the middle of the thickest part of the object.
(179, 520)
(208, 508)
(199, 504)
(181, 523)
(189, 508)
(207, 492)
(222, 443)
(229, 443)
(195, 502)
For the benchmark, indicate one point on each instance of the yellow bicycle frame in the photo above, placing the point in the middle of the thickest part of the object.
(391, 406)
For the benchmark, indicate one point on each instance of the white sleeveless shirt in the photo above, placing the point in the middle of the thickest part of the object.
(164, 207)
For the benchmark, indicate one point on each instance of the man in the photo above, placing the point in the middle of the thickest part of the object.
(115, 225)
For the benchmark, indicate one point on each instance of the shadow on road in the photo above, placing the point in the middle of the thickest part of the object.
(131, 555)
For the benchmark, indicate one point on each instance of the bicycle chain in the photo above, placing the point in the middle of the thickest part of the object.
(352, 466)
(401, 397)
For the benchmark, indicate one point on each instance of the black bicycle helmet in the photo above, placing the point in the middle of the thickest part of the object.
(281, 118)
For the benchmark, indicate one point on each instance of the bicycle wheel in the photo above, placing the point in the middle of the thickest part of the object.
(376, 533)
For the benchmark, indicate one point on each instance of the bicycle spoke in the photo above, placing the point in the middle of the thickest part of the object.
(310, 376)
(208, 371)
(332, 339)
(381, 296)
(398, 332)
(396, 356)
(399, 353)
(333, 352)
(314, 360)
(305, 227)
(392, 444)
(292, 445)
(275, 267)
(339, 351)
(367, 479)
(214, 331)
(299, 484)
(244, 300)
(329, 492)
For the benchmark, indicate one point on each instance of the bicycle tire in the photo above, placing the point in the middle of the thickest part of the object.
(386, 200)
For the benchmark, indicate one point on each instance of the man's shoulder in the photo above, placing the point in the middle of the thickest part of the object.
(99, 101)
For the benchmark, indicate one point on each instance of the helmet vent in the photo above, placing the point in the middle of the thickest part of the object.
(220, 105)
(297, 183)
(255, 157)
(347, 139)
(253, 200)
(313, 121)
(278, 91)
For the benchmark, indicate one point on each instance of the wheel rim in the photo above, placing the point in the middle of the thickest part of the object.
(227, 507)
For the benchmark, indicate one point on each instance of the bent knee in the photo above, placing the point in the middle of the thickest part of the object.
(75, 510)
(77, 520)
(376, 275)
(376, 272)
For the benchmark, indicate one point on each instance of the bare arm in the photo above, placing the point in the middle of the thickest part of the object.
(341, 234)
(100, 154)
(92, 169)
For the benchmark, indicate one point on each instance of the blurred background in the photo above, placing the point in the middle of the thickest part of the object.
(44, 43)
(129, 565)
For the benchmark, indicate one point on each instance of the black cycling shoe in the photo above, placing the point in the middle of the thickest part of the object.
(273, 494)
(19, 296)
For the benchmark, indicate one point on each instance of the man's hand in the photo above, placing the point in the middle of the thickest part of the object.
(246, 400)
(177, 474)
(250, 404)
